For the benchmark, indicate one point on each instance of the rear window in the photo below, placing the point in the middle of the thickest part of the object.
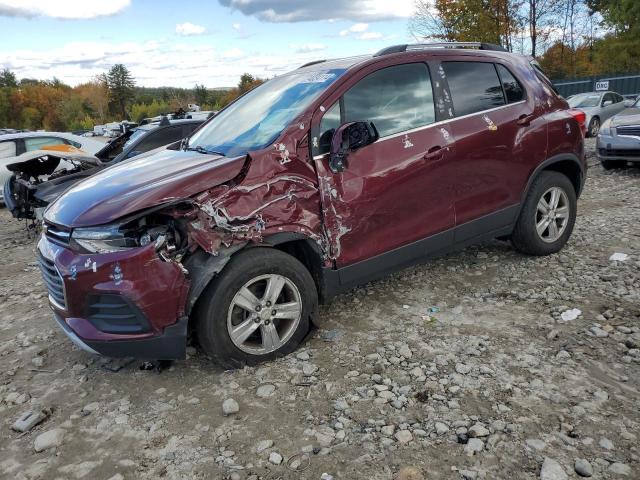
(512, 88)
(474, 86)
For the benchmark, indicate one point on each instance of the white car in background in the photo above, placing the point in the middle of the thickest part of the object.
(14, 144)
(598, 107)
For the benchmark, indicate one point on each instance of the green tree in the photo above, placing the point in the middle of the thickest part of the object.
(201, 94)
(8, 79)
(121, 88)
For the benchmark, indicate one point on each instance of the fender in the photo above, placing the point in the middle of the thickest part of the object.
(562, 157)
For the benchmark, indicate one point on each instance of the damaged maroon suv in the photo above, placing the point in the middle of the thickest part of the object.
(318, 180)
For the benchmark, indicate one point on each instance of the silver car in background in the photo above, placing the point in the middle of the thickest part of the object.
(598, 106)
(619, 139)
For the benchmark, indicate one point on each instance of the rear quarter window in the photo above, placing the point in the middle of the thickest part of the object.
(474, 86)
(7, 149)
(512, 88)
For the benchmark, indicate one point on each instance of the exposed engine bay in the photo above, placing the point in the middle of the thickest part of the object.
(42, 175)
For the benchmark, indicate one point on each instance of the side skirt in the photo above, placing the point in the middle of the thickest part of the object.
(482, 229)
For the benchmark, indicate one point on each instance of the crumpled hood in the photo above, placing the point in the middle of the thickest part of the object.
(140, 183)
(630, 116)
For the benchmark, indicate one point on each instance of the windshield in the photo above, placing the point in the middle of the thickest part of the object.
(582, 101)
(257, 119)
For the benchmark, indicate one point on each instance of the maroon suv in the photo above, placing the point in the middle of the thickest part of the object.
(318, 180)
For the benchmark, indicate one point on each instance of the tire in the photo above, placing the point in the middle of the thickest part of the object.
(525, 237)
(594, 127)
(218, 311)
(610, 164)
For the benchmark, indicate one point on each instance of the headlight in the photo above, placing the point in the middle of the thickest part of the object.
(105, 239)
(605, 129)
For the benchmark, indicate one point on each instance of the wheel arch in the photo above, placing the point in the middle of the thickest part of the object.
(567, 164)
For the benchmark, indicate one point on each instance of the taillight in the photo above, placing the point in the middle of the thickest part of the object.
(581, 117)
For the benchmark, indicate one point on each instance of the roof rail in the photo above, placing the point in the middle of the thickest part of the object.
(311, 63)
(423, 46)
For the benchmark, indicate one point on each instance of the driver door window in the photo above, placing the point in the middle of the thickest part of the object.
(395, 99)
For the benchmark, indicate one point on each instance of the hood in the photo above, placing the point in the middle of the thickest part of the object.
(140, 183)
(630, 116)
(44, 162)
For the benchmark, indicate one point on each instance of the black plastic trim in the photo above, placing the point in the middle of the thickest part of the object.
(115, 313)
(562, 157)
(170, 345)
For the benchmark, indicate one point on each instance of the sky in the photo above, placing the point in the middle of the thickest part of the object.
(187, 42)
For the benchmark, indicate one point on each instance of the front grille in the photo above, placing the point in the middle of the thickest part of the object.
(113, 313)
(57, 235)
(52, 280)
(633, 130)
(620, 152)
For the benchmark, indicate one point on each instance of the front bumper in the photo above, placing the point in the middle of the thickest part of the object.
(618, 148)
(121, 304)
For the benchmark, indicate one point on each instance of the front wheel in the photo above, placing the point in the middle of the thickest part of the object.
(258, 308)
(547, 216)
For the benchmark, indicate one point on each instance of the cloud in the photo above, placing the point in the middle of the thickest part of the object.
(355, 28)
(237, 27)
(307, 47)
(370, 36)
(310, 10)
(188, 29)
(62, 9)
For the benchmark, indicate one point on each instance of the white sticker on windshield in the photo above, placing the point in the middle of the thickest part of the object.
(317, 77)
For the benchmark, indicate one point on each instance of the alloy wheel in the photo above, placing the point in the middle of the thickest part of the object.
(552, 214)
(264, 314)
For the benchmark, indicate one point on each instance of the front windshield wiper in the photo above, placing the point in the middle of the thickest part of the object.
(203, 150)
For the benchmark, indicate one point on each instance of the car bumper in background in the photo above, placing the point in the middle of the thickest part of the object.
(619, 148)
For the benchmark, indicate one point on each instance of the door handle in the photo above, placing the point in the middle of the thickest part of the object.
(434, 153)
(525, 120)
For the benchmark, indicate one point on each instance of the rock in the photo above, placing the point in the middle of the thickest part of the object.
(462, 369)
(230, 406)
(304, 356)
(52, 438)
(441, 428)
(583, 467)
(326, 476)
(620, 469)
(598, 332)
(340, 405)
(569, 315)
(309, 368)
(30, 419)
(551, 470)
(469, 474)
(37, 361)
(606, 444)
(478, 430)
(388, 430)
(275, 458)
(409, 473)
(263, 445)
(403, 436)
(266, 390)
(405, 351)
(90, 408)
(473, 446)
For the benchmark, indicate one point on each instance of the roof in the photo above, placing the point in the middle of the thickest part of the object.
(71, 136)
(153, 125)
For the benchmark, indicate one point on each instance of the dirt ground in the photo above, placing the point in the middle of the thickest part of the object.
(462, 368)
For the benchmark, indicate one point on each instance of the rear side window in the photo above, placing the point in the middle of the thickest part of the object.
(7, 149)
(36, 143)
(474, 86)
(395, 99)
(160, 137)
(512, 88)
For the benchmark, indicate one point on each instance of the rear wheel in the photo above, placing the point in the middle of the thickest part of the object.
(258, 308)
(594, 127)
(547, 217)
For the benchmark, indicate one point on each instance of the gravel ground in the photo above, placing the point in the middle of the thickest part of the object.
(462, 368)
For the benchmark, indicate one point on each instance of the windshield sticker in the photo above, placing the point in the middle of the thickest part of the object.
(317, 77)
(445, 133)
(117, 275)
(322, 109)
(73, 272)
(315, 142)
(441, 72)
(90, 264)
(568, 128)
(490, 125)
(407, 142)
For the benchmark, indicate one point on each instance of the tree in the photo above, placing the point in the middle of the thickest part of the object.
(201, 94)
(8, 78)
(121, 88)
(542, 19)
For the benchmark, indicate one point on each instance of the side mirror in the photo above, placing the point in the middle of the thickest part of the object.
(348, 137)
(607, 103)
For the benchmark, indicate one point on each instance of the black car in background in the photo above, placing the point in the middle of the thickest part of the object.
(35, 181)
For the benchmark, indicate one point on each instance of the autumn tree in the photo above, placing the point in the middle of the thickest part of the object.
(200, 94)
(121, 88)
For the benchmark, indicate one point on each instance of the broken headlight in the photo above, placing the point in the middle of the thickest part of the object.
(105, 239)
